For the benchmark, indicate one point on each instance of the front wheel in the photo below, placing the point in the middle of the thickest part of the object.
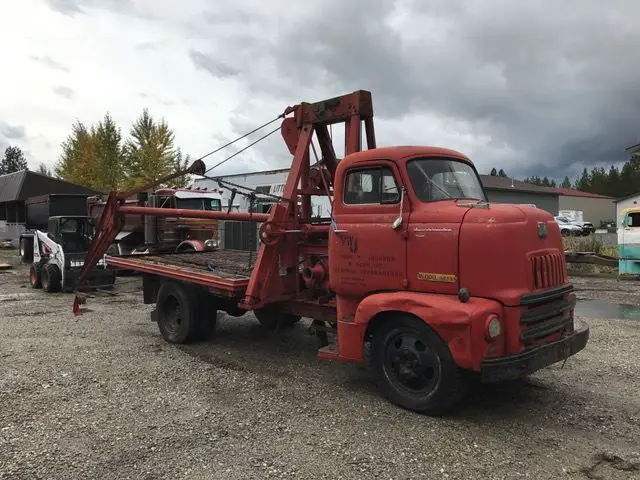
(414, 367)
(51, 278)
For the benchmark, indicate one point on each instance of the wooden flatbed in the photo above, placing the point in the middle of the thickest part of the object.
(226, 271)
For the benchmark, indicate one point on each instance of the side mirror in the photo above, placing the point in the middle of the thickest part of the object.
(398, 221)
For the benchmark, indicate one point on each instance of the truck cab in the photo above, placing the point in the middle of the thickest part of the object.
(479, 286)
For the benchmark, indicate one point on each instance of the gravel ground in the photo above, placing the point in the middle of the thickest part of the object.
(103, 396)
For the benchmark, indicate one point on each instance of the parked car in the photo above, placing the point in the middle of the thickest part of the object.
(567, 228)
(588, 228)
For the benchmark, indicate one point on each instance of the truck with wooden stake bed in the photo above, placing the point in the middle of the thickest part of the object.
(414, 265)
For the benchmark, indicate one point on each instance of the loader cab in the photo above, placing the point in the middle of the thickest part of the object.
(74, 233)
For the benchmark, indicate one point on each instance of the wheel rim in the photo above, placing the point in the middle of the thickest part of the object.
(22, 249)
(411, 365)
(45, 279)
(171, 313)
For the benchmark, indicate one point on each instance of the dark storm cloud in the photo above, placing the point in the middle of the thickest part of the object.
(49, 62)
(555, 83)
(212, 65)
(11, 132)
(63, 91)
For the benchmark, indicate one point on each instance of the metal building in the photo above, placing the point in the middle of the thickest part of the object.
(17, 187)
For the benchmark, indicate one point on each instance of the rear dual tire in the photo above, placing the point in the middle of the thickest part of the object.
(184, 314)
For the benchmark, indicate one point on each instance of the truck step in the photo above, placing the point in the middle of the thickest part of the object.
(330, 352)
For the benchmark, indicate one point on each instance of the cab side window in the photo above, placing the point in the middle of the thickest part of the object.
(371, 186)
(633, 219)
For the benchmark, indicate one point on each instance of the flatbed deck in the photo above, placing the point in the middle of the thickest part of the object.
(224, 270)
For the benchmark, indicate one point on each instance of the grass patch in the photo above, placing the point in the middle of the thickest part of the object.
(589, 244)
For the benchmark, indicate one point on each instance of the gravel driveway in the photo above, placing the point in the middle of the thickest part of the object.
(103, 396)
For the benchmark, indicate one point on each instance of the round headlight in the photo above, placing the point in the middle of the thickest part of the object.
(211, 243)
(493, 327)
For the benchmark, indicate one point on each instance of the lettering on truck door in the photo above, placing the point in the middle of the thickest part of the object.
(367, 254)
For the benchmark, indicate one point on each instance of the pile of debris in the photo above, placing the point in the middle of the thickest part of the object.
(6, 244)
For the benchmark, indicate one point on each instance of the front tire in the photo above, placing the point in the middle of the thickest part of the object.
(51, 278)
(414, 367)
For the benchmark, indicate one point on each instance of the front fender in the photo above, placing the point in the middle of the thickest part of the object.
(459, 324)
(197, 245)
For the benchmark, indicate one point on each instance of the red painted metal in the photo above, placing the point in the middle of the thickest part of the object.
(178, 212)
(231, 286)
(450, 263)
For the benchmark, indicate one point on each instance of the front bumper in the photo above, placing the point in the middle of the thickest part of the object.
(517, 366)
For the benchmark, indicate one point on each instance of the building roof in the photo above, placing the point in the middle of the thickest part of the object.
(492, 182)
(23, 184)
(570, 192)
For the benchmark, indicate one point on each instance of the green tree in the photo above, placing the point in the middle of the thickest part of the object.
(44, 170)
(566, 183)
(502, 173)
(108, 152)
(150, 153)
(77, 162)
(12, 161)
(584, 182)
(494, 172)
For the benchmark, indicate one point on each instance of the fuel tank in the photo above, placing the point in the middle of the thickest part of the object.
(506, 251)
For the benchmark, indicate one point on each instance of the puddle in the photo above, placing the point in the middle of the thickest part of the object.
(602, 309)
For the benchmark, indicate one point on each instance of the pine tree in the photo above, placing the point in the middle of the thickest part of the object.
(107, 148)
(12, 161)
(494, 172)
(584, 182)
(150, 153)
(566, 183)
(502, 173)
(44, 170)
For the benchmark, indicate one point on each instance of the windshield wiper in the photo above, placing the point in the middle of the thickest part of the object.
(431, 181)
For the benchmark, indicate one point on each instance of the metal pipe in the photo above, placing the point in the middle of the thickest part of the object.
(181, 212)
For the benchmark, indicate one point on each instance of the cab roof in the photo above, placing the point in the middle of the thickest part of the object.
(403, 152)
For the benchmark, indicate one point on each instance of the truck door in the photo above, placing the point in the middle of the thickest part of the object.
(630, 241)
(366, 253)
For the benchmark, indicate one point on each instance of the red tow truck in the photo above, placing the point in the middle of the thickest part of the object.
(414, 263)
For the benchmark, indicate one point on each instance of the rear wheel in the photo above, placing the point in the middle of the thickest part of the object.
(35, 278)
(51, 278)
(207, 316)
(177, 313)
(414, 367)
(272, 318)
(26, 249)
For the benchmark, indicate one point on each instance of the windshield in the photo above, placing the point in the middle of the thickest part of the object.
(75, 234)
(198, 204)
(435, 179)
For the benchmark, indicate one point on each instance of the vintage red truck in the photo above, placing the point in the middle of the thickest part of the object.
(414, 263)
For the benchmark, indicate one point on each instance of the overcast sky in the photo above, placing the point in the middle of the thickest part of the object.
(520, 85)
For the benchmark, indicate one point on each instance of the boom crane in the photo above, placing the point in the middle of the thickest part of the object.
(414, 262)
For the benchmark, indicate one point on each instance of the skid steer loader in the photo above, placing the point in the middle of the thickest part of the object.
(59, 253)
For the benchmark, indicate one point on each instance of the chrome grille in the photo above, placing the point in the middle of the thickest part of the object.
(547, 270)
